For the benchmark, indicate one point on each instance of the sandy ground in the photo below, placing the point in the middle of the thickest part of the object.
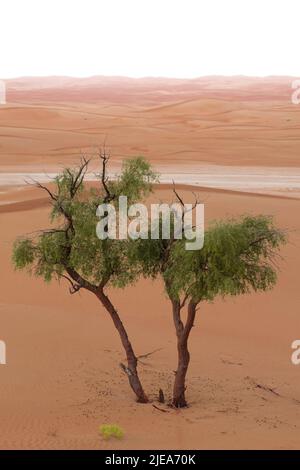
(62, 379)
(266, 180)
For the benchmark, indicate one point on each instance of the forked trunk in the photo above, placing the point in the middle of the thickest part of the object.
(182, 333)
(131, 369)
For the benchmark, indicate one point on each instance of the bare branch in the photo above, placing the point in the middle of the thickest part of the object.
(80, 176)
(74, 286)
(177, 195)
(144, 356)
(159, 409)
(184, 300)
(44, 188)
(104, 156)
(79, 280)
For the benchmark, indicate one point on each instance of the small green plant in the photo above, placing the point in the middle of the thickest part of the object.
(111, 430)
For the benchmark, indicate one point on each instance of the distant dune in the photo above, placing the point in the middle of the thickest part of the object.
(148, 89)
(239, 121)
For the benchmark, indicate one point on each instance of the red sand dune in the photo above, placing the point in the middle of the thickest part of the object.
(213, 120)
(62, 379)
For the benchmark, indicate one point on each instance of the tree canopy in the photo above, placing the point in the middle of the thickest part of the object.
(239, 255)
(72, 249)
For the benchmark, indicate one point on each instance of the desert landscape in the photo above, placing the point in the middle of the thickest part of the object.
(233, 141)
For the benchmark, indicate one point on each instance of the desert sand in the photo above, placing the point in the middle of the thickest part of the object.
(215, 120)
(62, 379)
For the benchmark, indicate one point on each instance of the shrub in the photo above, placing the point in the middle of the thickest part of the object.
(111, 430)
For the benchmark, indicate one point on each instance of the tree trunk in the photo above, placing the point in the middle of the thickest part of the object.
(179, 400)
(182, 332)
(131, 369)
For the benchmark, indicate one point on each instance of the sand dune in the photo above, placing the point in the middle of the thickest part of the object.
(240, 137)
(236, 121)
(62, 379)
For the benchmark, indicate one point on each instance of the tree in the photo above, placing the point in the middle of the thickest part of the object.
(238, 256)
(72, 250)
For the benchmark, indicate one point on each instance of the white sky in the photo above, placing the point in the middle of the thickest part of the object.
(175, 38)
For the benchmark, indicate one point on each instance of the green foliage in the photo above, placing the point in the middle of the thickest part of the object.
(74, 243)
(111, 430)
(64, 183)
(136, 180)
(23, 253)
(238, 256)
(150, 255)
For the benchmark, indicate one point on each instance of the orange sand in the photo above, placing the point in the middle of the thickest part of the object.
(62, 379)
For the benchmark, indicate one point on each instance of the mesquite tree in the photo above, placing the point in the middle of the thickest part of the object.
(72, 250)
(238, 256)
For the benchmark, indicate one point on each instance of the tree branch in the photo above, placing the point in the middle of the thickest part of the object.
(105, 158)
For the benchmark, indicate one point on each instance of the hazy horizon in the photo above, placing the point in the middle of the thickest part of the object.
(152, 77)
